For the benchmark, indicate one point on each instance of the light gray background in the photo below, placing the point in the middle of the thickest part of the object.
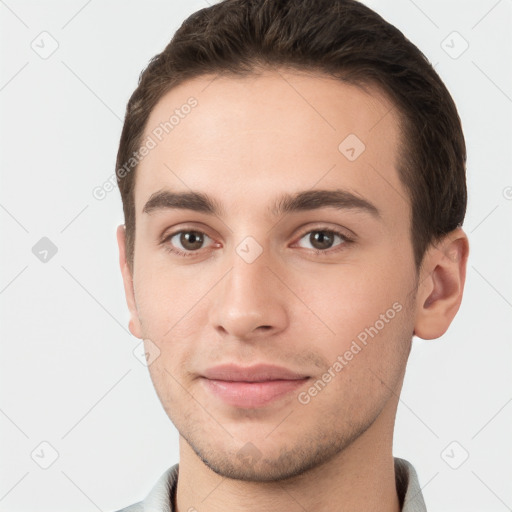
(69, 376)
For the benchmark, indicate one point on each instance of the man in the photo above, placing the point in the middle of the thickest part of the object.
(293, 184)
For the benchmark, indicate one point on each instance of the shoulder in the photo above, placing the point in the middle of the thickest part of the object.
(161, 495)
(136, 507)
(408, 487)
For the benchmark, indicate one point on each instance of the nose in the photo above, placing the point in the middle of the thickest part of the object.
(250, 302)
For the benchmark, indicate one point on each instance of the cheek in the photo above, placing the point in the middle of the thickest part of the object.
(370, 314)
(351, 299)
(163, 295)
(164, 314)
(365, 362)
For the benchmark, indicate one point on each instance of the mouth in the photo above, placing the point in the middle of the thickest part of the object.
(251, 387)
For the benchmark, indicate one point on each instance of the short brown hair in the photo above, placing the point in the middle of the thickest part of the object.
(339, 38)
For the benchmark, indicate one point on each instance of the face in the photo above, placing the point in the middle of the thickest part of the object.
(306, 265)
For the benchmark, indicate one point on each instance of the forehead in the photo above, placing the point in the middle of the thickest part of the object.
(278, 131)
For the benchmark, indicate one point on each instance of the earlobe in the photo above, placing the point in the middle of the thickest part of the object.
(441, 285)
(134, 323)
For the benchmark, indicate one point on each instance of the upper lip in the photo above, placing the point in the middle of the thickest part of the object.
(255, 373)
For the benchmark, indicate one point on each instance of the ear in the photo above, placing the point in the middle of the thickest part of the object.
(442, 278)
(134, 324)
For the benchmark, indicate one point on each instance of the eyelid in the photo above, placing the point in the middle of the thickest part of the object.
(168, 233)
(167, 236)
(337, 231)
(320, 226)
(331, 251)
(342, 231)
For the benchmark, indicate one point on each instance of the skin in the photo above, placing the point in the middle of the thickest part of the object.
(248, 141)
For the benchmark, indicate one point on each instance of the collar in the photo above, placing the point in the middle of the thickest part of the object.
(162, 496)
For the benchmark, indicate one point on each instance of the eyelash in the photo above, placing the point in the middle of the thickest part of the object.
(317, 252)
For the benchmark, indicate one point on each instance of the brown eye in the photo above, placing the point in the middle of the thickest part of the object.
(185, 242)
(321, 240)
(191, 240)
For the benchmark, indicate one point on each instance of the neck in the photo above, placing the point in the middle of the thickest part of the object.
(361, 477)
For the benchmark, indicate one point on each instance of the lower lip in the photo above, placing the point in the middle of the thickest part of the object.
(251, 394)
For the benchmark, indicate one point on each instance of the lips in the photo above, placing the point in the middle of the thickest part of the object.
(256, 373)
(251, 387)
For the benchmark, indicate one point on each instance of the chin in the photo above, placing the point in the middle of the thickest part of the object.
(271, 463)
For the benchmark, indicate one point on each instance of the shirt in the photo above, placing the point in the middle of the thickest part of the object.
(163, 495)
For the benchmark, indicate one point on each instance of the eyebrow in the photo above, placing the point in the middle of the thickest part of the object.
(286, 203)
